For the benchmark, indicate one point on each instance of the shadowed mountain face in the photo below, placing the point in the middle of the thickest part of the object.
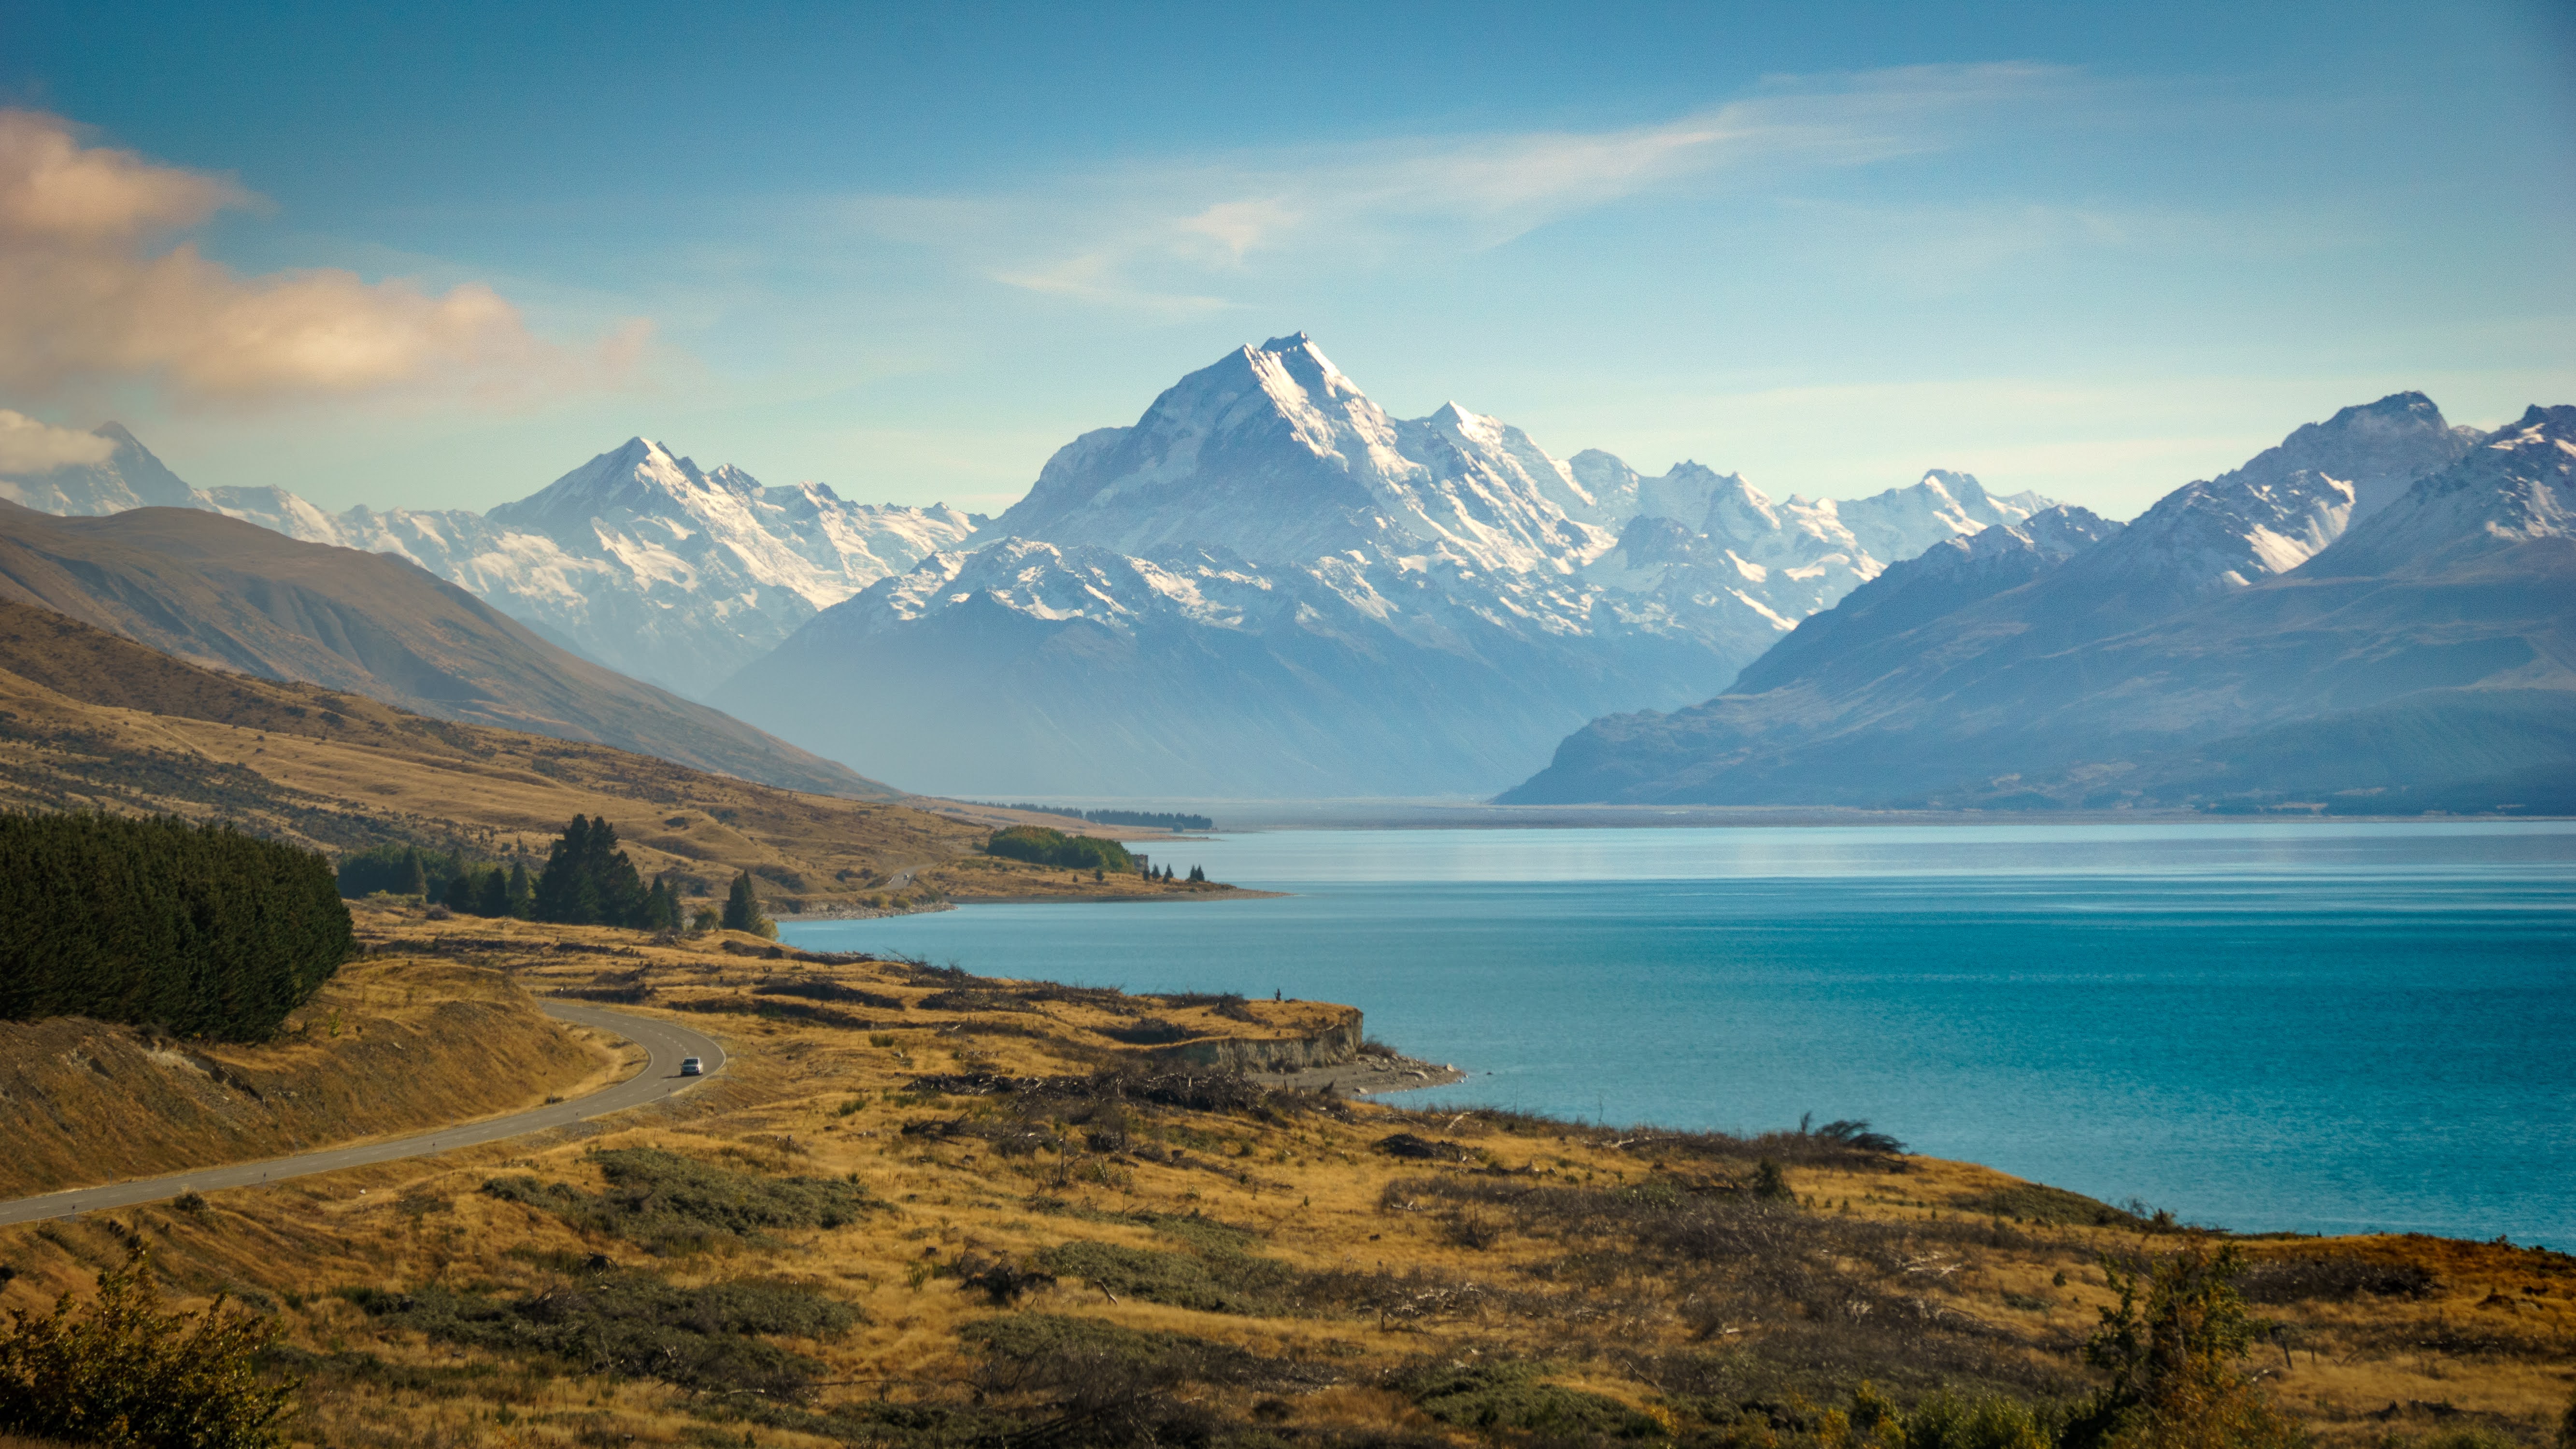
(222, 592)
(2235, 646)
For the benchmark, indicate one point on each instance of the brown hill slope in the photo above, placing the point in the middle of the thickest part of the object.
(214, 589)
(89, 721)
(388, 1046)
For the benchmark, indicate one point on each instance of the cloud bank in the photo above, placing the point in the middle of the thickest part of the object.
(29, 447)
(86, 296)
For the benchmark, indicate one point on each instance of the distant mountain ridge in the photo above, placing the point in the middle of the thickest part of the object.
(216, 590)
(2243, 643)
(638, 559)
(1266, 585)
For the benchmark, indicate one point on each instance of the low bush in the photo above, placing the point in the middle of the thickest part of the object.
(636, 1325)
(122, 1373)
(671, 1203)
(1515, 1397)
(2335, 1277)
(1212, 1282)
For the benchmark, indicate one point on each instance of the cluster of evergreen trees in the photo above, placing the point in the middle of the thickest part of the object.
(1196, 873)
(405, 870)
(587, 881)
(199, 929)
(1041, 846)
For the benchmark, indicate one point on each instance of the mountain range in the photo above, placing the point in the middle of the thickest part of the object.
(218, 591)
(637, 559)
(1268, 586)
(2377, 615)
(1265, 586)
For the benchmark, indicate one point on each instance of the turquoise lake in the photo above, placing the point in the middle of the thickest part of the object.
(2323, 1027)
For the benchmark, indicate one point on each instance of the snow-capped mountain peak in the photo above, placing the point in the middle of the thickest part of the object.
(2517, 486)
(638, 558)
(638, 476)
(1274, 454)
(2283, 507)
(131, 477)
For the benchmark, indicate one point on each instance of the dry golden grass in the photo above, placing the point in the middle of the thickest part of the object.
(1390, 1262)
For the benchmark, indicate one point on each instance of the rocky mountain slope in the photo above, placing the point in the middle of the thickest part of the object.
(638, 559)
(2242, 644)
(217, 590)
(1268, 586)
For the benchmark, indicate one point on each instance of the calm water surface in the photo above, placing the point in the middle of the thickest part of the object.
(2326, 1027)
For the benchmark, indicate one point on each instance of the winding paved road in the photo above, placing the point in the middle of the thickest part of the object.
(660, 1078)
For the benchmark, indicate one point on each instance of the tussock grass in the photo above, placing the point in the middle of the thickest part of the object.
(1279, 1283)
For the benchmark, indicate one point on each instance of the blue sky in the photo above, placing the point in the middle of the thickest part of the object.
(2094, 250)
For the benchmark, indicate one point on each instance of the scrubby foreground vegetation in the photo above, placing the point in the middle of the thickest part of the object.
(200, 929)
(922, 1208)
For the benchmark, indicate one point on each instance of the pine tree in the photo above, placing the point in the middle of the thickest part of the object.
(415, 876)
(492, 892)
(742, 907)
(588, 881)
(523, 892)
(661, 910)
(459, 895)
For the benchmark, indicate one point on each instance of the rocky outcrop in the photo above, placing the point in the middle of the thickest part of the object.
(1326, 1044)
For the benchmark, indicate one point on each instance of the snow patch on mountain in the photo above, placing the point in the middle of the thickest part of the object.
(2517, 486)
(131, 477)
(638, 559)
(2282, 508)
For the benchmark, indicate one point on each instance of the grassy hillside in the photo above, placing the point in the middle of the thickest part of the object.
(389, 1045)
(223, 592)
(92, 721)
(921, 1208)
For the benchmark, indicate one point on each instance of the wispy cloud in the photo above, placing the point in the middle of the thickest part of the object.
(86, 298)
(1172, 235)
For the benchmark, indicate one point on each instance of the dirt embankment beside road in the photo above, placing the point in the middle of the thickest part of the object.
(387, 1046)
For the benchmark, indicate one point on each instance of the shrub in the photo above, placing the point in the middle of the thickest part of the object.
(2170, 1347)
(197, 928)
(1213, 1282)
(637, 1325)
(123, 1373)
(1769, 1181)
(2293, 1277)
(671, 1203)
(1040, 846)
(1512, 1396)
(1989, 1421)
